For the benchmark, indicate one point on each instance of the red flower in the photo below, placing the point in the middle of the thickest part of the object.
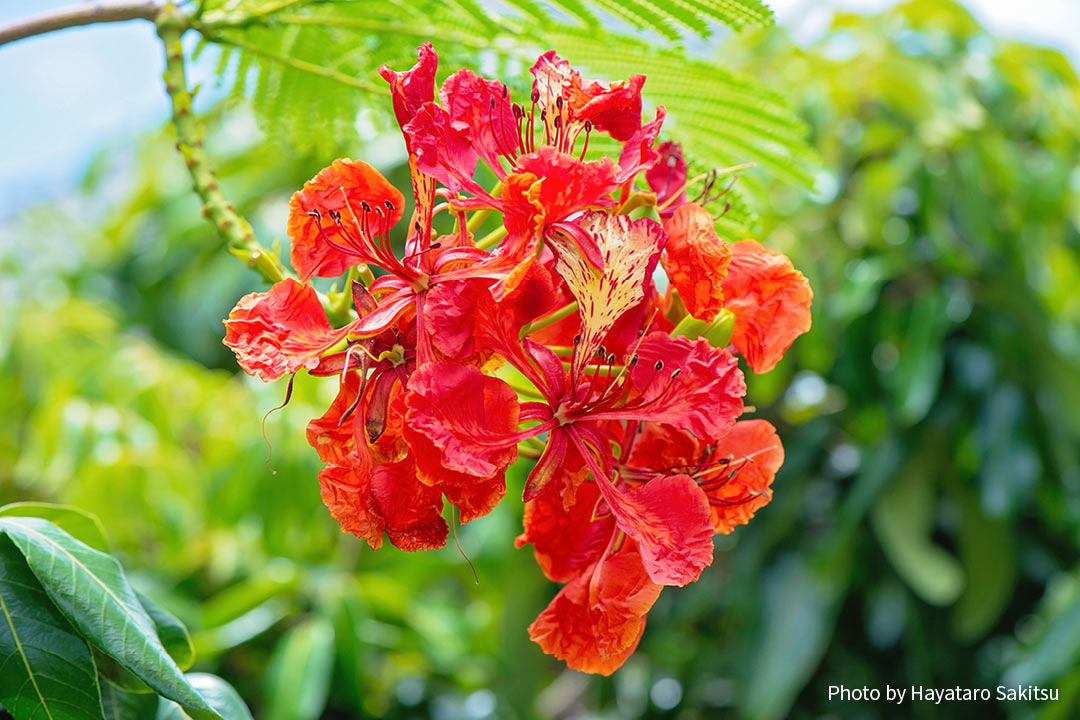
(643, 458)
(771, 302)
(736, 470)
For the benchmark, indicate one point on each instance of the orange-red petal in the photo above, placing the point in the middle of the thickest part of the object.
(770, 300)
(756, 454)
(597, 620)
(278, 332)
(344, 187)
(696, 260)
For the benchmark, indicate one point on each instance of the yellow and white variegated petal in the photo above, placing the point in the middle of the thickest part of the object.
(629, 250)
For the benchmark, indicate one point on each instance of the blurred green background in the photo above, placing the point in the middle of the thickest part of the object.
(926, 523)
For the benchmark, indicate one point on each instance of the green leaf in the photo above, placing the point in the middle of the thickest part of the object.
(298, 678)
(989, 557)
(903, 518)
(90, 589)
(172, 633)
(81, 525)
(45, 667)
(121, 705)
(222, 696)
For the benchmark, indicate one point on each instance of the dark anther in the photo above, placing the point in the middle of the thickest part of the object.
(435, 246)
(577, 339)
(659, 365)
(634, 360)
(417, 228)
(676, 373)
(611, 359)
(558, 102)
(518, 112)
(335, 215)
(389, 205)
(506, 91)
(724, 461)
(492, 103)
(588, 126)
(601, 351)
(315, 214)
(535, 95)
(558, 121)
(365, 206)
(543, 116)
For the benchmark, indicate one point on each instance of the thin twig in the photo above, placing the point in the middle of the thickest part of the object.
(78, 15)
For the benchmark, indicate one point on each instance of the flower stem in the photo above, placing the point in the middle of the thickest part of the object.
(491, 239)
(233, 228)
(564, 311)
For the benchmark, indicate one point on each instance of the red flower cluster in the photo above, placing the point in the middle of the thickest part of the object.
(557, 339)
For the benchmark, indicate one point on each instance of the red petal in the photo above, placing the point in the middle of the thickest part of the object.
(343, 187)
(460, 424)
(638, 154)
(280, 331)
(565, 541)
(412, 509)
(696, 260)
(734, 501)
(481, 110)
(705, 396)
(670, 519)
(771, 302)
(346, 491)
(668, 177)
(412, 88)
(596, 621)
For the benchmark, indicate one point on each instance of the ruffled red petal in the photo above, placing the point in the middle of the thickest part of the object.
(458, 423)
(771, 302)
(739, 489)
(696, 260)
(565, 540)
(414, 87)
(670, 520)
(278, 332)
(597, 620)
(344, 187)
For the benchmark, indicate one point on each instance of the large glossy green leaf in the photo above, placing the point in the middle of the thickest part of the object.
(217, 692)
(298, 678)
(81, 525)
(90, 589)
(45, 667)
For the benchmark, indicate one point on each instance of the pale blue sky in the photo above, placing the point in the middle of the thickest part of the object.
(66, 94)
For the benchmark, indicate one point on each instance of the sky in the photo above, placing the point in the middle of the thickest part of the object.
(66, 94)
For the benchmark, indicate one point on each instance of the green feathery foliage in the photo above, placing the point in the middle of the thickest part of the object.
(310, 68)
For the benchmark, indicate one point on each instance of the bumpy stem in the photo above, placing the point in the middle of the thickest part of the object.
(171, 24)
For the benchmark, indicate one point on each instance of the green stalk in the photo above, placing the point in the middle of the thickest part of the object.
(564, 311)
(233, 228)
